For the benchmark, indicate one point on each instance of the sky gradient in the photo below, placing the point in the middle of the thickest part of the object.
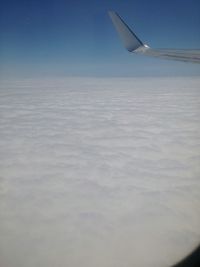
(76, 38)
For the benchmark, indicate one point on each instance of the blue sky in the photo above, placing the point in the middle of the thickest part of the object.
(76, 38)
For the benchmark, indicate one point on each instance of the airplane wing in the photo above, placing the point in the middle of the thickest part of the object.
(134, 44)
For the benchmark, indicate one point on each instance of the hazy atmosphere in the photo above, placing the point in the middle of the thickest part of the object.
(99, 148)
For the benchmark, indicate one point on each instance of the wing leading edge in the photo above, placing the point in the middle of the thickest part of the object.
(134, 44)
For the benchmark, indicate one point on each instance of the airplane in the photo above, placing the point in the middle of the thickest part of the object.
(134, 45)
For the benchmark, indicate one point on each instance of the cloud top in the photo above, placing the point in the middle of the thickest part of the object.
(99, 172)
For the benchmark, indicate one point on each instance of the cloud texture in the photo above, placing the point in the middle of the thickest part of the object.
(99, 172)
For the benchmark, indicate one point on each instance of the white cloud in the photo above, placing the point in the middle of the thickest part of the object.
(99, 172)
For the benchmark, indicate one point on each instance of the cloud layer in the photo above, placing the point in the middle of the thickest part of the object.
(99, 172)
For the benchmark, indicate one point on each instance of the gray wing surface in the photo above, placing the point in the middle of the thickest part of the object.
(134, 44)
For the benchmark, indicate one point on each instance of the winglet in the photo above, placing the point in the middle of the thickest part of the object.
(130, 40)
(133, 44)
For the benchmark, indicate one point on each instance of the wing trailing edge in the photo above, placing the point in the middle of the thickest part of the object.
(134, 44)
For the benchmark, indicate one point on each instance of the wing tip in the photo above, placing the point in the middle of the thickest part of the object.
(130, 40)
